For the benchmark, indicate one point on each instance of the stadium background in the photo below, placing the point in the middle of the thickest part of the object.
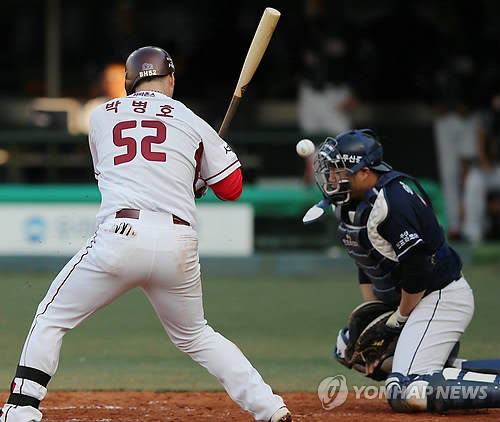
(283, 304)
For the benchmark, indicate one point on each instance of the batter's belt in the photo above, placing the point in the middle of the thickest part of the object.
(133, 213)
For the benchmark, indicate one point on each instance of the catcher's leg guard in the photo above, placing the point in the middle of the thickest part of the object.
(484, 366)
(450, 389)
(458, 389)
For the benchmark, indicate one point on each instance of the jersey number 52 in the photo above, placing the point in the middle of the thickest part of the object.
(127, 141)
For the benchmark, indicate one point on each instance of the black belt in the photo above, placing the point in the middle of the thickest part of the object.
(133, 213)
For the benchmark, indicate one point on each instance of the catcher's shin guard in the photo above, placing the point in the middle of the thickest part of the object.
(450, 389)
(484, 366)
(459, 389)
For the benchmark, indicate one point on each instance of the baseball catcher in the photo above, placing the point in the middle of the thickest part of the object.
(417, 302)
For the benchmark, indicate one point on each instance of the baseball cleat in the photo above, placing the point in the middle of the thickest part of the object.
(281, 415)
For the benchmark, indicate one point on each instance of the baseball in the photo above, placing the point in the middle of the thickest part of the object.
(305, 148)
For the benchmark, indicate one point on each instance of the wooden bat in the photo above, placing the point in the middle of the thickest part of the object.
(255, 52)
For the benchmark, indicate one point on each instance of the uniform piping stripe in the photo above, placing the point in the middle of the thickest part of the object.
(7, 413)
(425, 332)
(22, 385)
(222, 171)
(92, 242)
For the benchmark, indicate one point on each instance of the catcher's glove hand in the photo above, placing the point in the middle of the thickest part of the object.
(360, 318)
(374, 344)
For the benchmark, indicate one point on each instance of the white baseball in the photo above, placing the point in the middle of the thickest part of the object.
(305, 148)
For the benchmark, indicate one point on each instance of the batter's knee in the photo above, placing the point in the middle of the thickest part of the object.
(189, 342)
(407, 394)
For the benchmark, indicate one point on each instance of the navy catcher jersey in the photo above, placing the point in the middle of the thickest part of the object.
(405, 220)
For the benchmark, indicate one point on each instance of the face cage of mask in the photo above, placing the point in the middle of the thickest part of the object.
(339, 191)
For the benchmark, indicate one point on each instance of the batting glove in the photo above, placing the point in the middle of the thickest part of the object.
(200, 189)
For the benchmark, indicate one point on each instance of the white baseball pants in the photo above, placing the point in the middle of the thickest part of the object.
(433, 328)
(477, 184)
(162, 259)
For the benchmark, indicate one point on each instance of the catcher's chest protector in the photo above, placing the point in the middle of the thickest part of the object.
(353, 234)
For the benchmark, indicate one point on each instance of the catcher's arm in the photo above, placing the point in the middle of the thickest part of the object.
(415, 278)
(366, 287)
(409, 301)
(367, 292)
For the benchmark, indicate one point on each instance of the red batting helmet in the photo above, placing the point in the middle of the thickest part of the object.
(146, 62)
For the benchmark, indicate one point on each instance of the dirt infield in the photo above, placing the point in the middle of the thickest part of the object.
(124, 406)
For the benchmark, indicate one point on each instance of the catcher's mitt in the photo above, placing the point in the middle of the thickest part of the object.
(374, 344)
(360, 318)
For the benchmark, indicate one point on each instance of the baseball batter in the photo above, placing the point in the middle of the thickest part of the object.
(405, 266)
(151, 156)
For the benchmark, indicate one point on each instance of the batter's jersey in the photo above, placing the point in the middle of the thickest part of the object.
(148, 152)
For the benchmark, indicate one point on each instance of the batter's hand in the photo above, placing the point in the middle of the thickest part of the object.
(200, 188)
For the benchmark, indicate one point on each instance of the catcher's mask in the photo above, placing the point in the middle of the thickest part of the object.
(337, 158)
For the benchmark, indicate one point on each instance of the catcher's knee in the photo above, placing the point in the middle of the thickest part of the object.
(407, 393)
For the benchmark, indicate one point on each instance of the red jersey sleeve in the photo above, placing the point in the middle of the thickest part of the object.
(229, 188)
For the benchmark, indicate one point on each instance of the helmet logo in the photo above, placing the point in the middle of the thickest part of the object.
(147, 70)
(146, 73)
(353, 159)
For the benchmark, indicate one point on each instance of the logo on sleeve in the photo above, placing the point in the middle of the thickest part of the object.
(406, 188)
(406, 238)
(227, 148)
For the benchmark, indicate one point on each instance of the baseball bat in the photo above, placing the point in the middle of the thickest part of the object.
(255, 52)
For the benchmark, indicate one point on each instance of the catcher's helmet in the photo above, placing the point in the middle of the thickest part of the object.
(146, 62)
(349, 151)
